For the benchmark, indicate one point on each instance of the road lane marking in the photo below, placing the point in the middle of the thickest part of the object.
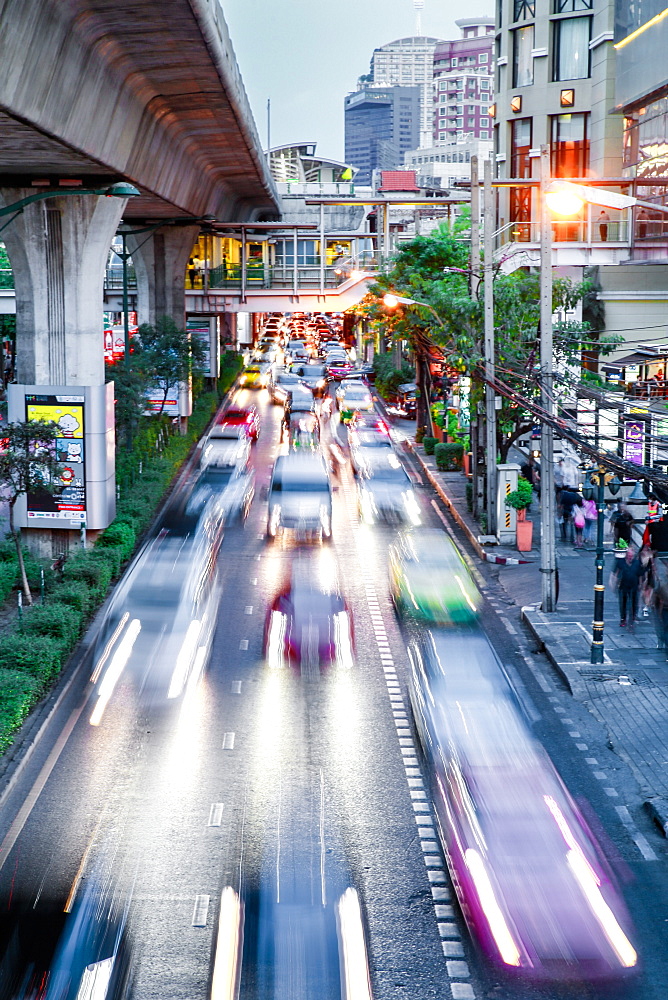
(248, 610)
(14, 831)
(236, 687)
(228, 741)
(216, 814)
(243, 644)
(638, 838)
(201, 911)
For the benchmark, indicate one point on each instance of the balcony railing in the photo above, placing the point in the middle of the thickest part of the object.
(585, 231)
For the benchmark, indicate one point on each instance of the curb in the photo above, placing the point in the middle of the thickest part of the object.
(657, 809)
(570, 677)
(448, 502)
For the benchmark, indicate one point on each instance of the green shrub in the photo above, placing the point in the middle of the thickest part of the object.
(389, 378)
(76, 594)
(37, 655)
(96, 573)
(59, 621)
(9, 575)
(449, 457)
(118, 535)
(520, 498)
(420, 435)
(18, 693)
(111, 556)
(429, 444)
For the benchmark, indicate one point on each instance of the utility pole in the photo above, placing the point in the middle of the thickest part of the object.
(489, 217)
(548, 561)
(474, 277)
(474, 281)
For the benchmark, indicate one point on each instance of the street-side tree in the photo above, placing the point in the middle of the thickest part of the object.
(169, 355)
(435, 270)
(28, 464)
(132, 382)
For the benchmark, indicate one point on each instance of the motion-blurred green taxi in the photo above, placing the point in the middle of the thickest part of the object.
(430, 581)
(252, 377)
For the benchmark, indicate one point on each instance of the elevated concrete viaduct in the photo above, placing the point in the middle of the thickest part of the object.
(94, 92)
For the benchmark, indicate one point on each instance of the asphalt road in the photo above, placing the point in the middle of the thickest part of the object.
(274, 785)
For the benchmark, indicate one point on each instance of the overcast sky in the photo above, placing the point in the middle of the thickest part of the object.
(306, 55)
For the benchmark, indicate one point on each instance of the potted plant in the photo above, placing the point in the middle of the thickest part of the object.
(520, 500)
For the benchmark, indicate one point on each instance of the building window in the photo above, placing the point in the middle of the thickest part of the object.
(522, 58)
(523, 9)
(484, 84)
(484, 134)
(483, 57)
(484, 123)
(569, 146)
(471, 122)
(566, 6)
(460, 123)
(441, 135)
(454, 61)
(520, 166)
(443, 85)
(571, 48)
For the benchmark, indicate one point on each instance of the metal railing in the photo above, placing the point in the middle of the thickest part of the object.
(113, 279)
(586, 231)
(6, 277)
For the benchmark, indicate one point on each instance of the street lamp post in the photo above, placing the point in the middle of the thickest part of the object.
(599, 478)
(548, 555)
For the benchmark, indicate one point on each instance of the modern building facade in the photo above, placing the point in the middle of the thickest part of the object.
(641, 97)
(407, 62)
(554, 84)
(446, 165)
(381, 125)
(463, 83)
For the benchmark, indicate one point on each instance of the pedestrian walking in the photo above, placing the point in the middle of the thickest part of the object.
(626, 579)
(591, 517)
(579, 522)
(622, 522)
(568, 500)
(658, 585)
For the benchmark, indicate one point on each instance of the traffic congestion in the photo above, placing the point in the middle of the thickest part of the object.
(300, 676)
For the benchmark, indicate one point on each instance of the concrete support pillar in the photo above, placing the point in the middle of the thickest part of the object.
(58, 251)
(160, 261)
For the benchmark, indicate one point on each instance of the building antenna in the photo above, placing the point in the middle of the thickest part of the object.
(268, 125)
(419, 6)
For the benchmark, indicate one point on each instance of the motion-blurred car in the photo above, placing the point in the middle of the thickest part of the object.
(430, 581)
(300, 497)
(386, 491)
(246, 418)
(312, 375)
(252, 377)
(308, 627)
(338, 368)
(366, 441)
(226, 445)
(352, 396)
(281, 384)
(534, 886)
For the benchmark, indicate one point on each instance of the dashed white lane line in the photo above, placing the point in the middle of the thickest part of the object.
(228, 741)
(248, 610)
(216, 814)
(451, 943)
(201, 911)
(638, 839)
(243, 644)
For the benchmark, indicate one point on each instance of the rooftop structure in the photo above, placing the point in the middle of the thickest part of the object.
(463, 83)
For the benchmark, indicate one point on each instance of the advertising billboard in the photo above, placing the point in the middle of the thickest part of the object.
(634, 441)
(68, 502)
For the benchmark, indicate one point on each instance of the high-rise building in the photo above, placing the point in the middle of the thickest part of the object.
(554, 86)
(408, 62)
(463, 83)
(381, 124)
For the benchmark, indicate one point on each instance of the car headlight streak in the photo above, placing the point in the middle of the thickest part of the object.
(114, 670)
(497, 923)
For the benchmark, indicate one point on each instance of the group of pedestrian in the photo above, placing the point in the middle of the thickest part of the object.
(641, 575)
(576, 516)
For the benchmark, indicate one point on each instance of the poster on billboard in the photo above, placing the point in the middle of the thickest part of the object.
(634, 441)
(68, 501)
(205, 329)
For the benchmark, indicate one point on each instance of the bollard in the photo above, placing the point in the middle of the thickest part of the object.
(41, 584)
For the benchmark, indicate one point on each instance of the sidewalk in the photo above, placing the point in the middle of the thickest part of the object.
(628, 693)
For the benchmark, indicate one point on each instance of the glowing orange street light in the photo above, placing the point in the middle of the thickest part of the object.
(564, 203)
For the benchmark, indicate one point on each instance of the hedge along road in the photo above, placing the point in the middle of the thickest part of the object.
(34, 652)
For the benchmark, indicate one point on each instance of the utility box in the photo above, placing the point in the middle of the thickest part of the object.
(85, 447)
(506, 517)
